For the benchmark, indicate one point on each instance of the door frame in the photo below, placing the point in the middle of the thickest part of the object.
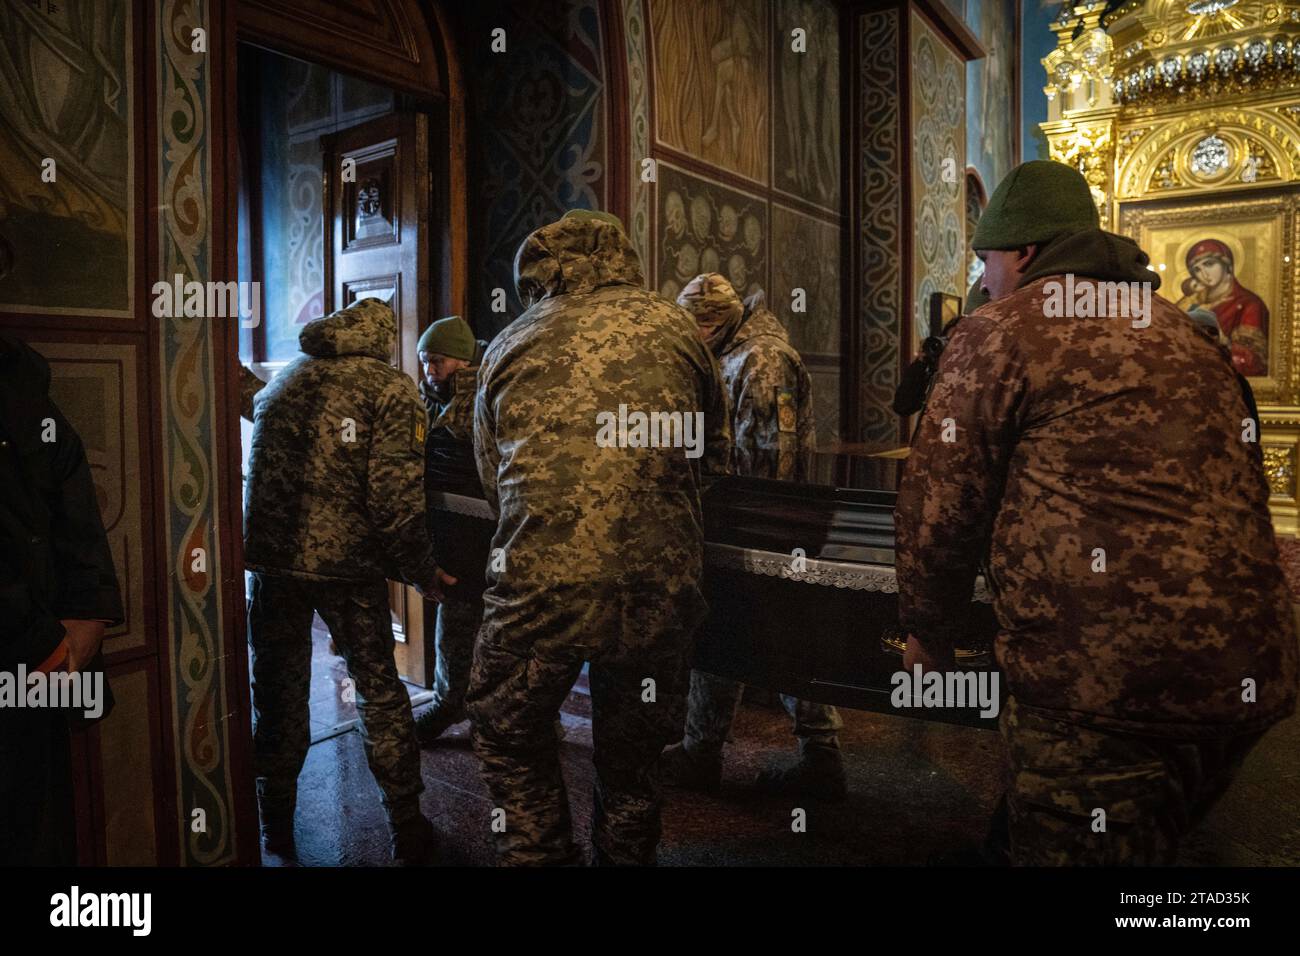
(433, 78)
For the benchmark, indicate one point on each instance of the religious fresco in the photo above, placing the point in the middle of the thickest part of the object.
(806, 256)
(545, 152)
(66, 97)
(710, 81)
(706, 227)
(938, 213)
(1224, 267)
(991, 91)
(806, 103)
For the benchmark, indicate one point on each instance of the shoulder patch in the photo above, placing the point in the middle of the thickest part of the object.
(786, 413)
(418, 429)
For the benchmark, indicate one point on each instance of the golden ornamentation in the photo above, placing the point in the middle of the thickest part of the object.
(1279, 468)
(1272, 136)
(1089, 150)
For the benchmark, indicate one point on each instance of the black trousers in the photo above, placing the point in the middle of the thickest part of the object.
(37, 814)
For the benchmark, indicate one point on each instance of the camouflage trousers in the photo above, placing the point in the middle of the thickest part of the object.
(360, 622)
(1153, 790)
(712, 706)
(458, 623)
(514, 701)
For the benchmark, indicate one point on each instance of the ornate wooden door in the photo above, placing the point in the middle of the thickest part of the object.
(377, 198)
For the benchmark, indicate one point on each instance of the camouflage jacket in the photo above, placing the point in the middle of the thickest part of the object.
(1101, 468)
(770, 396)
(336, 471)
(580, 515)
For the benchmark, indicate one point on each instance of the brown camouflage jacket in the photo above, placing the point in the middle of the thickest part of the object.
(336, 471)
(581, 518)
(1101, 468)
(770, 396)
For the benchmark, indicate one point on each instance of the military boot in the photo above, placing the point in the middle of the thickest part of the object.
(414, 841)
(435, 722)
(690, 770)
(277, 826)
(818, 775)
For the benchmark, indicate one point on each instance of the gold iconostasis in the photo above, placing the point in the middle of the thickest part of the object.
(1184, 116)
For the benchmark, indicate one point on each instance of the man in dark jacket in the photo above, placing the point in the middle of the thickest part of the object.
(1095, 451)
(449, 360)
(334, 507)
(58, 593)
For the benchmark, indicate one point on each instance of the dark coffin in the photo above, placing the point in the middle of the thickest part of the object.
(803, 598)
(821, 624)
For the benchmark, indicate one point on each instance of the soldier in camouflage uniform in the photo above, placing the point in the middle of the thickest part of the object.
(334, 506)
(449, 360)
(770, 399)
(602, 543)
(1106, 471)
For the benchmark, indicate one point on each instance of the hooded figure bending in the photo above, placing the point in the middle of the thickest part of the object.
(599, 548)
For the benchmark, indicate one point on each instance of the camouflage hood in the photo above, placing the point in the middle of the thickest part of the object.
(716, 307)
(366, 327)
(757, 321)
(575, 256)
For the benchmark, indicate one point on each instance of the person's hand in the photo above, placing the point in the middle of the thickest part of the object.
(433, 589)
(83, 639)
(916, 653)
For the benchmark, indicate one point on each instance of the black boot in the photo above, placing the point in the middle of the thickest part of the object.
(277, 826)
(685, 769)
(414, 841)
(435, 722)
(819, 775)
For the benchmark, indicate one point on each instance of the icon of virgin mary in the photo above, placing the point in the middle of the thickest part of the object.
(1242, 315)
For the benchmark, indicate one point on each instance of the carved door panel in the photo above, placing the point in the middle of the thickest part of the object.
(377, 238)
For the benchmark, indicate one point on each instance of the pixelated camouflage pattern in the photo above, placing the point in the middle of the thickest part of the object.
(360, 622)
(249, 386)
(1074, 434)
(571, 511)
(768, 387)
(603, 547)
(454, 633)
(1153, 790)
(315, 505)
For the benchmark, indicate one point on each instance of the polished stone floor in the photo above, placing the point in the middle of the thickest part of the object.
(917, 790)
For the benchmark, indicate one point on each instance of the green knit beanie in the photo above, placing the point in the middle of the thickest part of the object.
(1037, 202)
(452, 337)
(608, 217)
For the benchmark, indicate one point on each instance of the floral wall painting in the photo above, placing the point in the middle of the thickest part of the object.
(806, 256)
(706, 227)
(711, 76)
(66, 148)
